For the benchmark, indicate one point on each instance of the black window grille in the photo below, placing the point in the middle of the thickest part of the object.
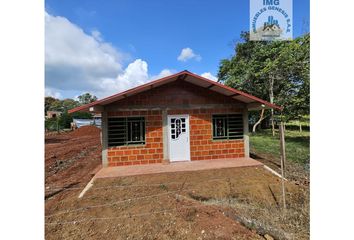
(228, 126)
(126, 131)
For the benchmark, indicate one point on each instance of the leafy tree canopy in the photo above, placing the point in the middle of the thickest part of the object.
(48, 102)
(63, 105)
(86, 98)
(276, 70)
(53, 104)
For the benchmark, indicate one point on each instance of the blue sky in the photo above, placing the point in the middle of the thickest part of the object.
(137, 41)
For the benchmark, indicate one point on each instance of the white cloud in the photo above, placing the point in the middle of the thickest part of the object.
(135, 74)
(163, 73)
(48, 92)
(186, 54)
(209, 76)
(97, 35)
(76, 61)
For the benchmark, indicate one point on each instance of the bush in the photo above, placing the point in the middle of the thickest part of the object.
(51, 124)
(64, 120)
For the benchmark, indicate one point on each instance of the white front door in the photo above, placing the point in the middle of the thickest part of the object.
(178, 138)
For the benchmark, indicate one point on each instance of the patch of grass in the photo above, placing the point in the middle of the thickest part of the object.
(295, 125)
(297, 144)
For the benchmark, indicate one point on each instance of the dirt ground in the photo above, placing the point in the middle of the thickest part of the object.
(71, 158)
(234, 203)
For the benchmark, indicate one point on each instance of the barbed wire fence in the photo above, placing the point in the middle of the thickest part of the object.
(176, 194)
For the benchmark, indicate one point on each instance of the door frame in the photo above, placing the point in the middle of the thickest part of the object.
(188, 136)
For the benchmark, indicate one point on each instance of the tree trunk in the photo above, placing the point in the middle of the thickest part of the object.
(259, 121)
(300, 126)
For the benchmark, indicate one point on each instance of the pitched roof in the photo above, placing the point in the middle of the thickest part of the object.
(254, 102)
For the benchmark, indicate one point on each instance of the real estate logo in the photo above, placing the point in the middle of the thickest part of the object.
(271, 20)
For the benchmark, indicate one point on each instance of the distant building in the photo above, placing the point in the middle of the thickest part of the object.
(53, 114)
(95, 121)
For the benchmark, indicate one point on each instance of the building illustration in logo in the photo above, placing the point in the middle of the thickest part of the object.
(271, 28)
(270, 20)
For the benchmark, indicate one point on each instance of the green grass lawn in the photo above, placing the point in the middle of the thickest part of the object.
(297, 145)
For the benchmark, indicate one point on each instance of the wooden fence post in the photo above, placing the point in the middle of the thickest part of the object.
(282, 159)
(282, 143)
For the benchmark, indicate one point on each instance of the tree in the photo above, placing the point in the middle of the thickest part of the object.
(274, 70)
(86, 98)
(48, 102)
(68, 104)
(65, 119)
(299, 103)
(56, 106)
(63, 106)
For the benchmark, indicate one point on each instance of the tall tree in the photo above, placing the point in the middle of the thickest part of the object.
(69, 103)
(86, 98)
(274, 70)
(63, 105)
(48, 102)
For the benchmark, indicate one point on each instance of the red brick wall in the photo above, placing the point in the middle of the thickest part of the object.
(151, 152)
(175, 93)
(203, 147)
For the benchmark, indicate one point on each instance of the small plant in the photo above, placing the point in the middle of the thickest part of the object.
(190, 214)
(163, 187)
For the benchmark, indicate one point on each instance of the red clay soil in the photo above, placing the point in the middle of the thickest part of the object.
(71, 157)
(127, 212)
(183, 205)
(86, 131)
(70, 160)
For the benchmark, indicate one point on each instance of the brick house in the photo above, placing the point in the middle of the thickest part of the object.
(53, 114)
(182, 117)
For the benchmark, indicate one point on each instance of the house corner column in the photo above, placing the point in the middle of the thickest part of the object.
(104, 138)
(245, 133)
(165, 135)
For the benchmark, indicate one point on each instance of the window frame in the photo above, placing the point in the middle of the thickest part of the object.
(125, 134)
(227, 136)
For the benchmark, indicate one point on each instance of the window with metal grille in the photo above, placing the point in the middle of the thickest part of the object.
(228, 126)
(126, 131)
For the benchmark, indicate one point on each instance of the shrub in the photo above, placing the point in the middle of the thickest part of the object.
(64, 120)
(51, 124)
